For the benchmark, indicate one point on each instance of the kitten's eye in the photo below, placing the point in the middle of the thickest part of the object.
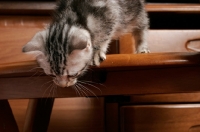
(74, 75)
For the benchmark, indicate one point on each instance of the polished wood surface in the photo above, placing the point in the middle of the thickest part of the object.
(174, 40)
(118, 61)
(127, 82)
(127, 44)
(167, 7)
(162, 41)
(26, 7)
(46, 8)
(23, 22)
(166, 98)
(78, 115)
(160, 118)
(68, 115)
(16, 32)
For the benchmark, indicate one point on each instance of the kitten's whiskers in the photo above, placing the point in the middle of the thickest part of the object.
(87, 90)
(93, 83)
(47, 89)
(81, 91)
(46, 83)
(34, 68)
(74, 87)
(90, 85)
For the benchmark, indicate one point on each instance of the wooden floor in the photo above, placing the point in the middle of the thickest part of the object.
(71, 114)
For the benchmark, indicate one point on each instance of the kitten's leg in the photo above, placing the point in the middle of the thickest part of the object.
(100, 53)
(140, 36)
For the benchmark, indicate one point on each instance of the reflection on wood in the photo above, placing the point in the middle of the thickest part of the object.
(71, 114)
(159, 118)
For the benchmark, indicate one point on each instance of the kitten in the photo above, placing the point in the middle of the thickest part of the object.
(80, 33)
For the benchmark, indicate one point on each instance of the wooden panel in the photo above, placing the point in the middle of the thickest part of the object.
(166, 98)
(166, 7)
(11, 43)
(71, 114)
(46, 7)
(26, 7)
(173, 40)
(165, 41)
(16, 32)
(112, 117)
(77, 115)
(23, 22)
(127, 44)
(195, 128)
(113, 62)
(160, 118)
(143, 81)
(113, 47)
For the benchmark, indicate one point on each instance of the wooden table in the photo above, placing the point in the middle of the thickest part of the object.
(119, 75)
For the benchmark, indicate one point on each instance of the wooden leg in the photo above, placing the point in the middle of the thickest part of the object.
(112, 117)
(112, 112)
(30, 115)
(38, 115)
(7, 120)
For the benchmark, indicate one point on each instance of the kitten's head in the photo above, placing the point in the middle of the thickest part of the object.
(63, 51)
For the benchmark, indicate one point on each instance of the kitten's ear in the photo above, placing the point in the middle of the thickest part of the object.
(36, 43)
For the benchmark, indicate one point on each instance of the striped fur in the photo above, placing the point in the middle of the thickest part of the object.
(80, 32)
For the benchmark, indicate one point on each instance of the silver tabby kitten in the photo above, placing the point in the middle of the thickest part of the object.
(80, 33)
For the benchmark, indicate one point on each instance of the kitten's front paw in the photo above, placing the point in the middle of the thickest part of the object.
(143, 50)
(99, 56)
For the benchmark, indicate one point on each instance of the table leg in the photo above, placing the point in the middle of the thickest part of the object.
(38, 115)
(7, 120)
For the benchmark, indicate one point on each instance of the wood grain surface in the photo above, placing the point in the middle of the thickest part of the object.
(46, 8)
(157, 118)
(169, 7)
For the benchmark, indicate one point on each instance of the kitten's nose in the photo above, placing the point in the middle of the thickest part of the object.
(60, 83)
(63, 83)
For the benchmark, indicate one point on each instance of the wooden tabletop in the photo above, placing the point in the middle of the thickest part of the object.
(120, 74)
(117, 62)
